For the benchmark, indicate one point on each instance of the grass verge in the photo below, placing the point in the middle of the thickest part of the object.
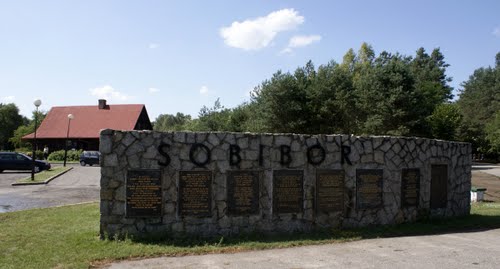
(44, 175)
(67, 237)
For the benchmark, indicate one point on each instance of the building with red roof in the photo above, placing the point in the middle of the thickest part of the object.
(87, 123)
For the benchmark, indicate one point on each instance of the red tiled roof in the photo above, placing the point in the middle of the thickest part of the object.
(88, 121)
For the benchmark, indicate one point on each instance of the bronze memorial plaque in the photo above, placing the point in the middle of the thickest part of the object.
(288, 191)
(369, 188)
(329, 191)
(143, 193)
(439, 186)
(410, 187)
(195, 193)
(243, 192)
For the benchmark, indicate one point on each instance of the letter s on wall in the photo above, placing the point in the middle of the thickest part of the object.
(162, 150)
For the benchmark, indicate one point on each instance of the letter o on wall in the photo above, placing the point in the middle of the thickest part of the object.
(310, 156)
(194, 148)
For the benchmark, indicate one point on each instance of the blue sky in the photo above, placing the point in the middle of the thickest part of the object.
(176, 56)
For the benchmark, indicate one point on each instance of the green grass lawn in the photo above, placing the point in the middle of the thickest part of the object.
(67, 237)
(44, 175)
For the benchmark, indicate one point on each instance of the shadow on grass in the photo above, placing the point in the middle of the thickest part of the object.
(471, 223)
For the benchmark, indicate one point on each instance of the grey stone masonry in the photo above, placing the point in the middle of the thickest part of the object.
(383, 158)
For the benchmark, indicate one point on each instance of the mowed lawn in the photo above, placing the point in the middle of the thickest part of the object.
(67, 237)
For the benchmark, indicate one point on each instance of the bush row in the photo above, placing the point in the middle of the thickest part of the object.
(38, 153)
(73, 155)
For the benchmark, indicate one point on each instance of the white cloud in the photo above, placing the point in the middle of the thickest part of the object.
(9, 98)
(303, 40)
(258, 33)
(109, 93)
(153, 90)
(286, 50)
(496, 31)
(300, 41)
(204, 90)
(154, 45)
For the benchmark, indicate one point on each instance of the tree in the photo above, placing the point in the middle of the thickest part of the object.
(282, 101)
(493, 134)
(431, 86)
(213, 118)
(10, 120)
(385, 96)
(168, 122)
(27, 128)
(445, 121)
(365, 94)
(479, 102)
(332, 101)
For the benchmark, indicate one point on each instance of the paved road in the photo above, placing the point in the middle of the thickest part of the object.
(458, 250)
(491, 169)
(81, 184)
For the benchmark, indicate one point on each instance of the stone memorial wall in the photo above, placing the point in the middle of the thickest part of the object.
(228, 183)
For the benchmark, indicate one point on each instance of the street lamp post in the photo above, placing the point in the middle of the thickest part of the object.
(70, 117)
(37, 103)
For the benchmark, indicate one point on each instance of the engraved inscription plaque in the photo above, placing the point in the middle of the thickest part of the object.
(410, 187)
(439, 186)
(369, 188)
(143, 193)
(195, 193)
(242, 192)
(288, 191)
(329, 191)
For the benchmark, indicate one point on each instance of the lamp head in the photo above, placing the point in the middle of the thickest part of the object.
(37, 102)
(70, 116)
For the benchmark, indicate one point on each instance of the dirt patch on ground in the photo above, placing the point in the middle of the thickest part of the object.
(490, 182)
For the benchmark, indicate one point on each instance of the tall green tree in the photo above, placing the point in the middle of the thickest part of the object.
(215, 118)
(282, 101)
(493, 134)
(479, 102)
(28, 127)
(431, 86)
(10, 120)
(169, 122)
(385, 96)
(365, 94)
(445, 121)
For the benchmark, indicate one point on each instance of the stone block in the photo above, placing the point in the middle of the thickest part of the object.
(242, 143)
(120, 193)
(296, 146)
(118, 209)
(379, 157)
(105, 144)
(254, 143)
(118, 136)
(150, 153)
(213, 139)
(134, 162)
(367, 158)
(283, 140)
(148, 140)
(110, 160)
(180, 137)
(106, 194)
(128, 139)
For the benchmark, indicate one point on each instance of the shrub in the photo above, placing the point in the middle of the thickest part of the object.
(73, 155)
(38, 153)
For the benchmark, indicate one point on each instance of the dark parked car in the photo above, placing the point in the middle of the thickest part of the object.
(89, 157)
(19, 161)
